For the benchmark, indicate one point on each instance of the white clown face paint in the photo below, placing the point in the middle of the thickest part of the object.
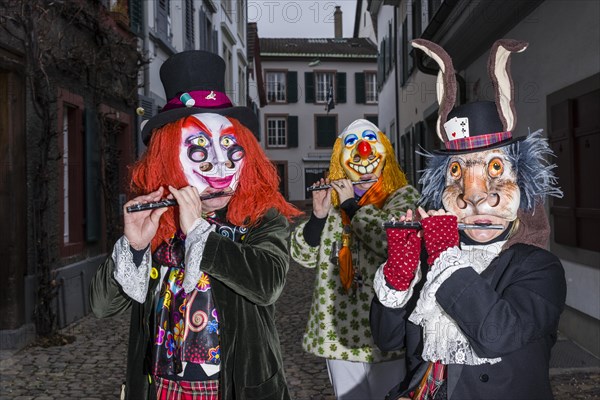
(209, 154)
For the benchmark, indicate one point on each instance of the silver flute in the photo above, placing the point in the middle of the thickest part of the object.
(327, 186)
(417, 225)
(171, 202)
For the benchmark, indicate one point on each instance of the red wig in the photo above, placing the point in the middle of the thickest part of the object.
(257, 190)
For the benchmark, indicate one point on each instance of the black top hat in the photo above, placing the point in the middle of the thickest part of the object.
(478, 128)
(194, 83)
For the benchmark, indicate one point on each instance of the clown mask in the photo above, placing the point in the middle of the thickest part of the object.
(363, 154)
(481, 188)
(209, 154)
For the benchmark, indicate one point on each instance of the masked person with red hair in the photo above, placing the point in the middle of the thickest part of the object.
(345, 241)
(200, 279)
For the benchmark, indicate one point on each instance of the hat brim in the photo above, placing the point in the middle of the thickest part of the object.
(243, 114)
(475, 150)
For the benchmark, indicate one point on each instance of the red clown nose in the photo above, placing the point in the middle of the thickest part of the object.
(364, 149)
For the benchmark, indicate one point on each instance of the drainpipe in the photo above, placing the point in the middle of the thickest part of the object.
(397, 85)
(145, 47)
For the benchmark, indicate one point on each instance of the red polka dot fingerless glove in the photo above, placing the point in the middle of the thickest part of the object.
(440, 233)
(404, 248)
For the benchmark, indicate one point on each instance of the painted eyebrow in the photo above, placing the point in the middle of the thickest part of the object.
(192, 122)
(228, 130)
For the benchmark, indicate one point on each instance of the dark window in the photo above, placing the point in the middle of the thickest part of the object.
(574, 135)
(326, 130)
(189, 25)
(359, 83)
(135, 16)
(312, 175)
(163, 23)
(309, 87)
(292, 87)
(374, 119)
(340, 91)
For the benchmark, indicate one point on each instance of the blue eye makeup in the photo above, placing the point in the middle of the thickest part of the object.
(350, 140)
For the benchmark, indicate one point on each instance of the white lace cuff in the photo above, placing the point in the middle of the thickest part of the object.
(195, 242)
(443, 339)
(391, 297)
(134, 280)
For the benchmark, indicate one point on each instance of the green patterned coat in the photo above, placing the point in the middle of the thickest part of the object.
(338, 323)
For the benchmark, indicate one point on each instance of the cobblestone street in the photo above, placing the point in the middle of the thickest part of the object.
(93, 367)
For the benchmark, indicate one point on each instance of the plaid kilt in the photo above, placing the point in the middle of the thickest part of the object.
(184, 390)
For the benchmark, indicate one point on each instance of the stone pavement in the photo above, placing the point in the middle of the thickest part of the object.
(93, 367)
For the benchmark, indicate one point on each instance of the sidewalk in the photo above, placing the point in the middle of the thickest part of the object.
(93, 367)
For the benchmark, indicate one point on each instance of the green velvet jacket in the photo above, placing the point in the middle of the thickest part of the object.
(246, 279)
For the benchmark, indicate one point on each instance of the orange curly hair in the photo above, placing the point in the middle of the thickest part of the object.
(256, 192)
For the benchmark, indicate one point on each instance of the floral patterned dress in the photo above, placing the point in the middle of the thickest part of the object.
(338, 323)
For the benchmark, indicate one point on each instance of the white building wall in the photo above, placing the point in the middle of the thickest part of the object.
(158, 53)
(564, 38)
(387, 93)
(366, 28)
(346, 113)
(563, 49)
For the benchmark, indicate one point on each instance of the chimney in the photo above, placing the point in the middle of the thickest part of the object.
(337, 22)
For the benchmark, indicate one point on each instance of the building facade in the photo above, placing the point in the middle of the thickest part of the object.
(311, 90)
(557, 89)
(68, 77)
(166, 27)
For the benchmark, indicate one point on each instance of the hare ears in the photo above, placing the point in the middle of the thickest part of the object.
(498, 68)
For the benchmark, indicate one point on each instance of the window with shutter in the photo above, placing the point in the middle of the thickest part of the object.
(276, 86)
(324, 81)
(574, 135)
(292, 134)
(72, 179)
(162, 19)
(292, 87)
(276, 131)
(135, 16)
(359, 84)
(312, 175)
(326, 130)
(340, 89)
(370, 88)
(189, 25)
(309, 87)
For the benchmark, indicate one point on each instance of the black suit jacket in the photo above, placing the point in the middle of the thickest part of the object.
(510, 311)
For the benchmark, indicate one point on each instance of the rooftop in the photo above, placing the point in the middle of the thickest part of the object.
(316, 47)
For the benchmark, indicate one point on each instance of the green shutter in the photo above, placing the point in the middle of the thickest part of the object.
(340, 93)
(292, 87)
(135, 16)
(309, 87)
(92, 178)
(292, 131)
(326, 131)
(359, 82)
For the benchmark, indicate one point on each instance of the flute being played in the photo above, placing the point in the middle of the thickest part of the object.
(171, 202)
(417, 225)
(327, 186)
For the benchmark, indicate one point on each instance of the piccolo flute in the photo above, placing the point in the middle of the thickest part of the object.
(171, 202)
(417, 225)
(327, 186)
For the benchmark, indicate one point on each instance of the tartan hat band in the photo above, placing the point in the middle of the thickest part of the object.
(478, 142)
